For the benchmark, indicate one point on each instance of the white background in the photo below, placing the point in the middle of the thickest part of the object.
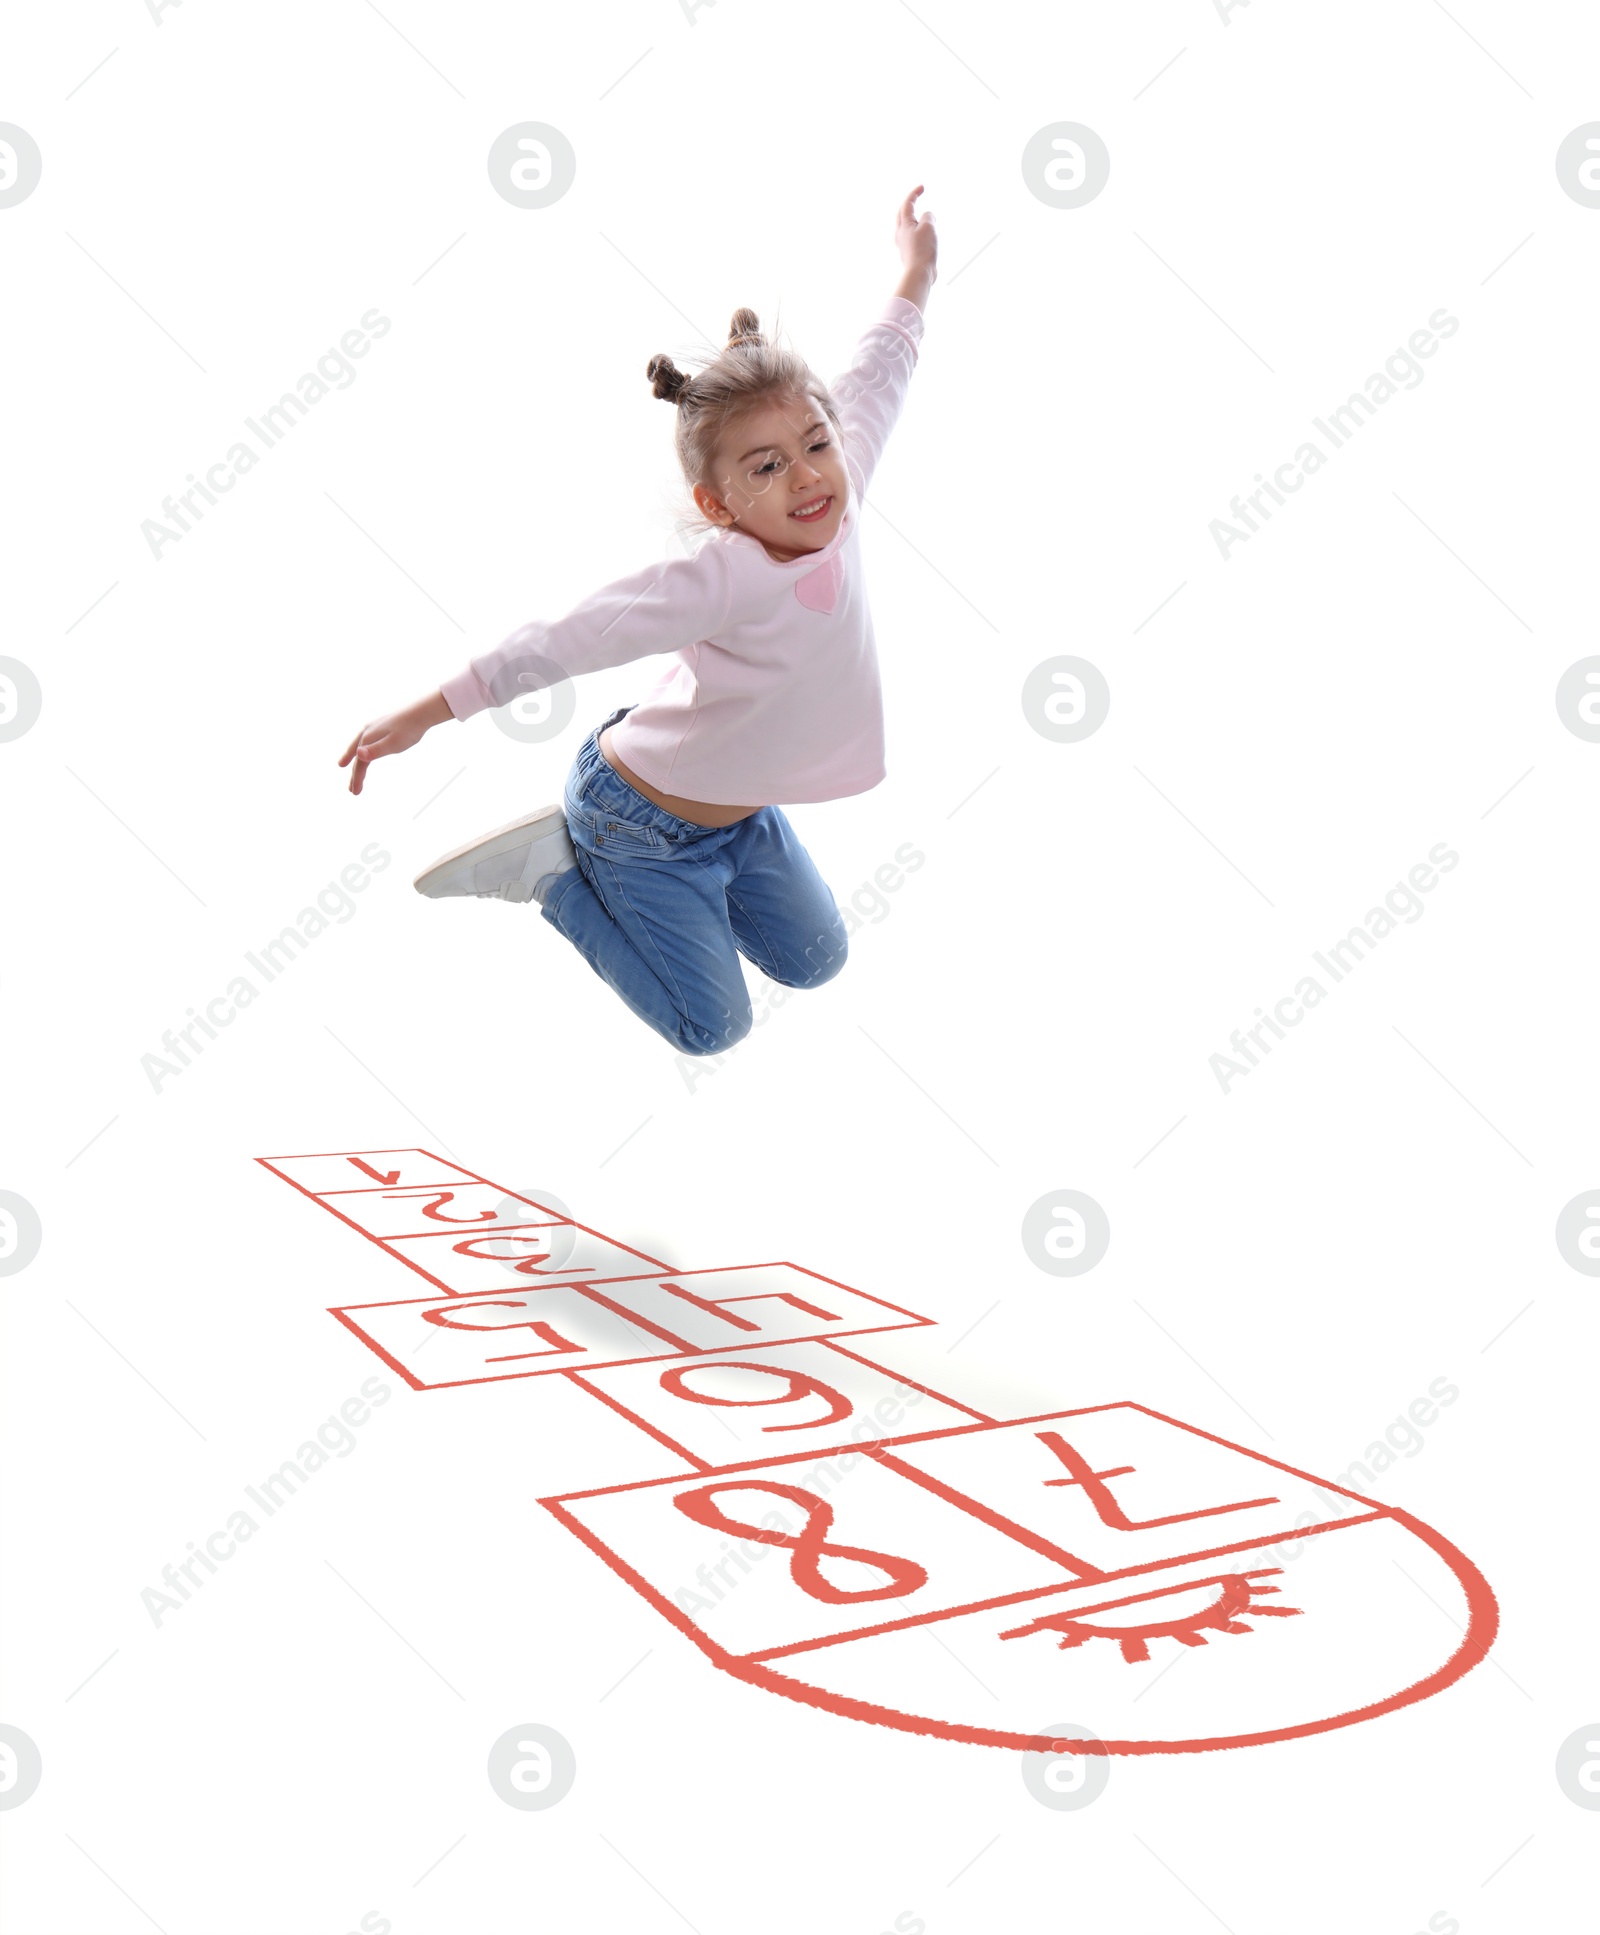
(1290, 733)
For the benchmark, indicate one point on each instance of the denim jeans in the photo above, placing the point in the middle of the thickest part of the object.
(662, 908)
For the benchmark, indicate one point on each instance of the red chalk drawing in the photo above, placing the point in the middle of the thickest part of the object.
(1235, 1593)
(387, 1178)
(807, 1546)
(1060, 1560)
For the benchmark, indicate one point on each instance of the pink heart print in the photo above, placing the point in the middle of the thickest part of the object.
(819, 590)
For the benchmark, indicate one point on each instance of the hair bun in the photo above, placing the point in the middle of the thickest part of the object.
(667, 380)
(745, 330)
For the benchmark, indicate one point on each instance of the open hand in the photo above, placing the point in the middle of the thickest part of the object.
(916, 239)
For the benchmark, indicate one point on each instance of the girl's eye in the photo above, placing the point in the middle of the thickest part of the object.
(778, 463)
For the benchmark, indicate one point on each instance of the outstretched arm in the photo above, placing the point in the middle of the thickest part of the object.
(659, 609)
(919, 251)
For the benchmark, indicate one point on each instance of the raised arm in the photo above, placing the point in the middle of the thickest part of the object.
(871, 393)
(914, 237)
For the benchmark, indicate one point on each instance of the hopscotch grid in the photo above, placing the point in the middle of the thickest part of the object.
(748, 1666)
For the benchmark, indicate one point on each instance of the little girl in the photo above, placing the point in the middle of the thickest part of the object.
(670, 857)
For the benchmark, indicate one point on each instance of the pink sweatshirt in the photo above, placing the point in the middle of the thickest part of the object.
(773, 694)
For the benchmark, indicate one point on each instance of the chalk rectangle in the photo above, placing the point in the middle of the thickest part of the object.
(744, 1406)
(320, 1175)
(586, 1324)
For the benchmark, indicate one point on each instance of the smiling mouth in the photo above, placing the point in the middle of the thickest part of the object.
(819, 507)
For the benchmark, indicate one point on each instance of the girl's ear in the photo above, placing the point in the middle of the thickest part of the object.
(711, 507)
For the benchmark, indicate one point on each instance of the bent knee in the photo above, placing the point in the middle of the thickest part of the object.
(821, 961)
(714, 1034)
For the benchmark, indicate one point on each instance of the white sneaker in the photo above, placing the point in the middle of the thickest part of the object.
(504, 865)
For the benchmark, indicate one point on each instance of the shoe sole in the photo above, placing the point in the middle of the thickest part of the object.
(489, 845)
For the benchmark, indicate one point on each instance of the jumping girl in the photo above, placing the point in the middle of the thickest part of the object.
(670, 856)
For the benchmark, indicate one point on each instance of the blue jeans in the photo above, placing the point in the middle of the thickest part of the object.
(662, 908)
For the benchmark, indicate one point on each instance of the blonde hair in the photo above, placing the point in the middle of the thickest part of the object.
(748, 372)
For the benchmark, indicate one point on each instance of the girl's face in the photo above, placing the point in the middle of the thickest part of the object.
(779, 476)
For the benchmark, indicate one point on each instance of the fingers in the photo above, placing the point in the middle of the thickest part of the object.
(378, 736)
(363, 751)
